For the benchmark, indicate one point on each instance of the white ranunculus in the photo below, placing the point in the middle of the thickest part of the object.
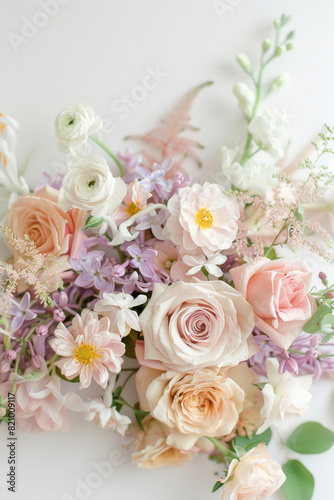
(255, 477)
(73, 126)
(269, 131)
(89, 185)
(245, 97)
(285, 395)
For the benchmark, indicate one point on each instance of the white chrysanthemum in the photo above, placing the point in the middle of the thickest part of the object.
(202, 217)
(89, 185)
(73, 126)
(284, 396)
(269, 131)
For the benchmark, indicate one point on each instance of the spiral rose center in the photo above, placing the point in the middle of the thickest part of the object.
(204, 218)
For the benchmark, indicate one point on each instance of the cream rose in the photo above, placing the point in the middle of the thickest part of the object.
(150, 447)
(53, 231)
(188, 326)
(206, 403)
(278, 292)
(89, 185)
(255, 477)
(73, 126)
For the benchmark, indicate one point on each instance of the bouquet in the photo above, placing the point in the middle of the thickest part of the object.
(204, 296)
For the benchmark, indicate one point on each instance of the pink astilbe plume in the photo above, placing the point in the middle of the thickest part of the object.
(166, 140)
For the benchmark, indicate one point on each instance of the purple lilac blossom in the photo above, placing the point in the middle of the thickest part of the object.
(154, 223)
(21, 311)
(131, 162)
(142, 260)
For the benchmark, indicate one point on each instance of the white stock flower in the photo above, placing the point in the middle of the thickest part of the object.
(269, 131)
(246, 98)
(284, 395)
(196, 262)
(117, 307)
(255, 177)
(89, 185)
(106, 417)
(73, 126)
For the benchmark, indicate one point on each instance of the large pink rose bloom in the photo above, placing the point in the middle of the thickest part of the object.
(202, 217)
(278, 292)
(188, 326)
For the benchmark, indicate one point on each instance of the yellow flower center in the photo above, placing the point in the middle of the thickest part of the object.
(204, 218)
(85, 354)
(132, 209)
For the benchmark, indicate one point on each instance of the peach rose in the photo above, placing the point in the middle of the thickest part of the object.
(52, 230)
(206, 403)
(254, 477)
(278, 292)
(188, 326)
(150, 447)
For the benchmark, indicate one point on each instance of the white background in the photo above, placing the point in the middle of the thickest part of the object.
(95, 51)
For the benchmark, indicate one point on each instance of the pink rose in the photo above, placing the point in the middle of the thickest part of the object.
(278, 292)
(188, 326)
(53, 231)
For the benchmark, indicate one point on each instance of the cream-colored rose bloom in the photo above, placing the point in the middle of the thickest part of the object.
(255, 477)
(73, 126)
(89, 185)
(150, 447)
(206, 403)
(188, 326)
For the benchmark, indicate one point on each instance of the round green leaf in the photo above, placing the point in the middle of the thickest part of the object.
(299, 484)
(310, 438)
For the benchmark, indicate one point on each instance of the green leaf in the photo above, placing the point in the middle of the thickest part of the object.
(130, 344)
(299, 484)
(271, 255)
(247, 443)
(314, 324)
(217, 485)
(310, 438)
(92, 222)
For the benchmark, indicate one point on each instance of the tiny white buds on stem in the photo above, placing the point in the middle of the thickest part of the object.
(279, 82)
(245, 63)
(280, 50)
(267, 43)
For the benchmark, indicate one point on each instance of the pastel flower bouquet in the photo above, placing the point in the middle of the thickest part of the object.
(198, 294)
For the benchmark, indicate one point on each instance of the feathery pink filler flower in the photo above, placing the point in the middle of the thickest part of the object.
(88, 349)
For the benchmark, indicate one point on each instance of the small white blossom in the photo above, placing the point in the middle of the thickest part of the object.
(196, 262)
(106, 417)
(269, 131)
(73, 126)
(117, 307)
(285, 395)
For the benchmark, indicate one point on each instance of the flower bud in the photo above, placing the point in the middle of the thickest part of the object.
(36, 362)
(279, 82)
(42, 330)
(277, 23)
(289, 46)
(280, 50)
(58, 315)
(330, 295)
(267, 43)
(11, 354)
(245, 63)
(322, 276)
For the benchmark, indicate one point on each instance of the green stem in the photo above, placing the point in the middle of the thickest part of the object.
(220, 447)
(275, 239)
(110, 153)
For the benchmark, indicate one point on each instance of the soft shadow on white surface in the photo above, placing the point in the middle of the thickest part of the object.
(97, 52)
